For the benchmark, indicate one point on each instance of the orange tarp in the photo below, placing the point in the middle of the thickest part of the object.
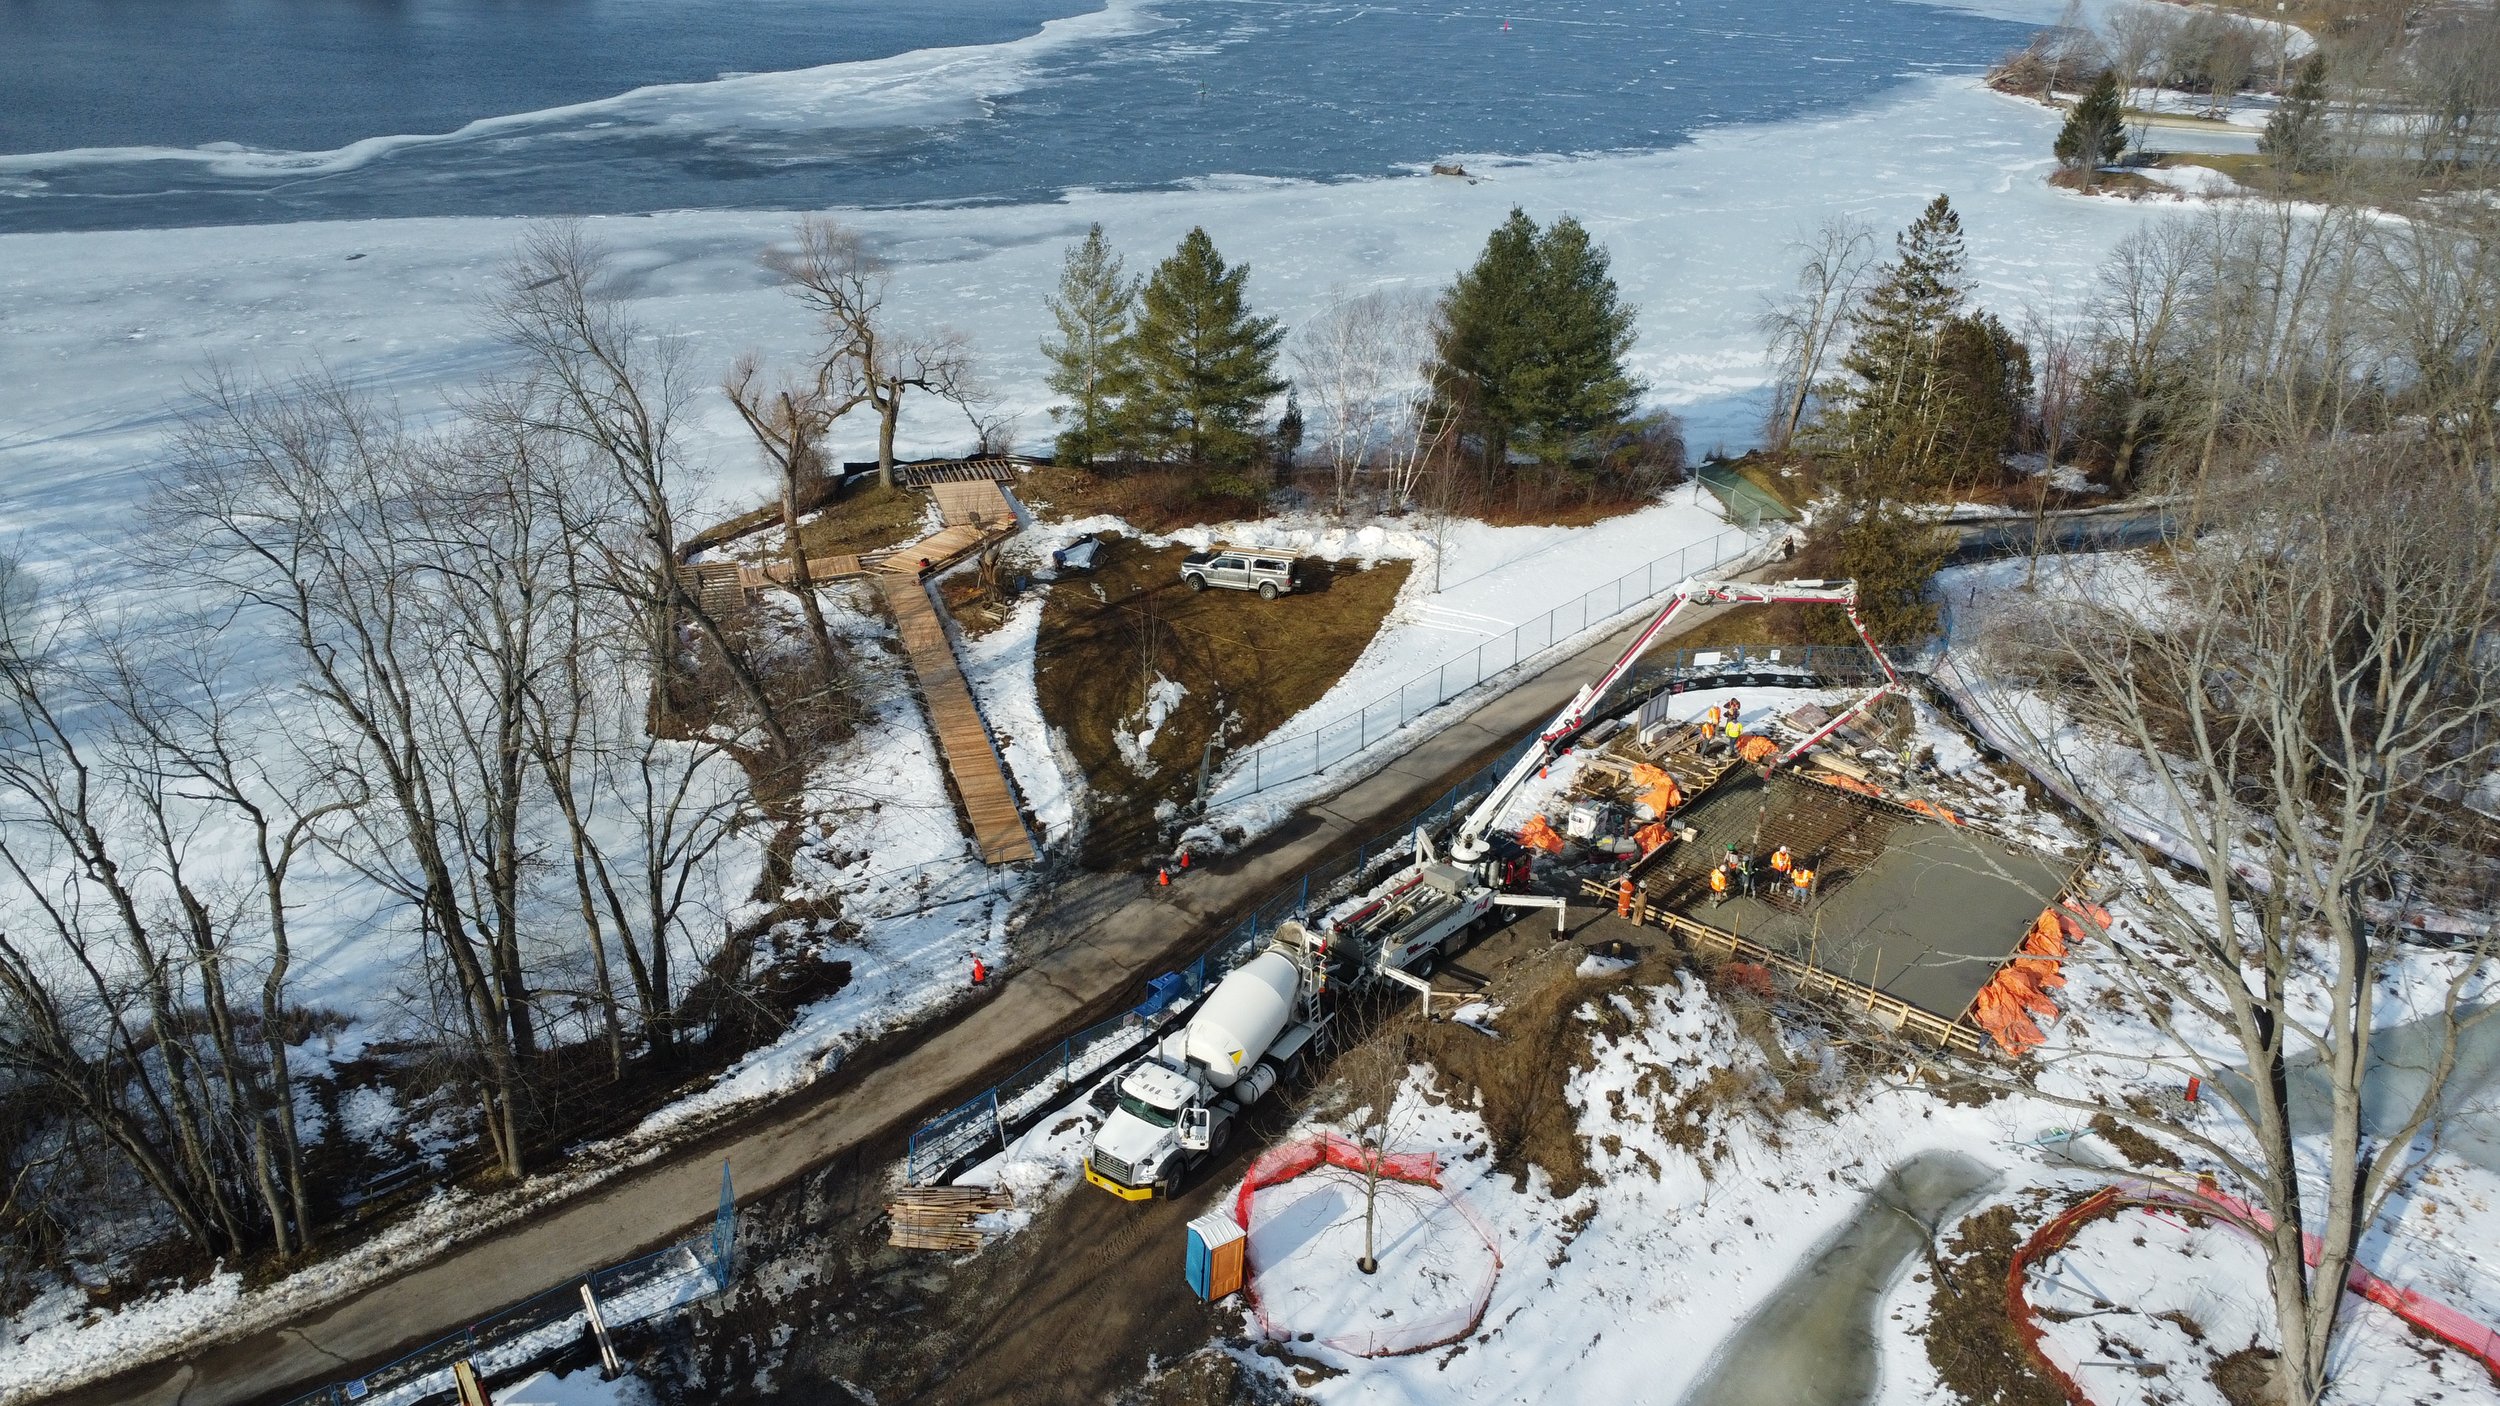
(1924, 808)
(1537, 834)
(2020, 990)
(1658, 790)
(1757, 749)
(1849, 783)
(1652, 835)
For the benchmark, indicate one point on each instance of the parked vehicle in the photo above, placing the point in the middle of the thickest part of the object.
(1178, 1106)
(1268, 573)
(1079, 555)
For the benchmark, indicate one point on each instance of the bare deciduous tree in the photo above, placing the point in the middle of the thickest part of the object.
(1353, 360)
(2320, 676)
(845, 282)
(1802, 327)
(601, 382)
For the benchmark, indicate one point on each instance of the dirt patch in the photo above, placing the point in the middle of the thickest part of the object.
(2248, 1377)
(1971, 1342)
(1208, 1377)
(1151, 498)
(1245, 666)
(1517, 1083)
(2138, 1149)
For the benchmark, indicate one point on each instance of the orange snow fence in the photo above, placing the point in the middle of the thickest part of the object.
(1283, 1163)
(1757, 749)
(1537, 834)
(1658, 790)
(1649, 837)
(2005, 1007)
(2467, 1334)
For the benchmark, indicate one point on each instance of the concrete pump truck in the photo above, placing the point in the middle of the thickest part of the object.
(1179, 1105)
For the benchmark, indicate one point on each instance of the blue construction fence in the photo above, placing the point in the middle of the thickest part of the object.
(512, 1339)
(1288, 759)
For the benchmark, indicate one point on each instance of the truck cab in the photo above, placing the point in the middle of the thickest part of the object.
(1266, 572)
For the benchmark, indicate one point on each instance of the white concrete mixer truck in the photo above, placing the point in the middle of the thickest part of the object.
(1180, 1103)
(1178, 1106)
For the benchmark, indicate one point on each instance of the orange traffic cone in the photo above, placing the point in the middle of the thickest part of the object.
(1163, 878)
(1184, 861)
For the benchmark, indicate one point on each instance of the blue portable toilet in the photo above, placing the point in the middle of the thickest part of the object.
(1218, 1250)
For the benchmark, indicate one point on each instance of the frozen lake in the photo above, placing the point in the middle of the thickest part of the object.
(157, 114)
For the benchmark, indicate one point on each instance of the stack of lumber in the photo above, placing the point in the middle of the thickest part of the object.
(940, 1217)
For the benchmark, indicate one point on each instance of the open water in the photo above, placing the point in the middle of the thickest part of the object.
(154, 113)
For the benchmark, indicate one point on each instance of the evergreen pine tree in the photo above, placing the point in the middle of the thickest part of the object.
(1532, 342)
(1205, 366)
(1487, 334)
(1090, 362)
(1883, 418)
(1289, 429)
(2295, 135)
(1576, 387)
(2095, 133)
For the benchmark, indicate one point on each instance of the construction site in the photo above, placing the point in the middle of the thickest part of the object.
(1728, 960)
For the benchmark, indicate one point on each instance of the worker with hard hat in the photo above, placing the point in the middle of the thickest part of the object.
(1781, 862)
(1718, 885)
(1802, 880)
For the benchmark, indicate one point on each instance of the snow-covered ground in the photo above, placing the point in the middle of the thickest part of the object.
(1719, 1205)
(1480, 600)
(104, 336)
(106, 332)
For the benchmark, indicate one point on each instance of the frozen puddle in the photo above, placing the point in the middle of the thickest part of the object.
(1813, 1342)
(1436, 1266)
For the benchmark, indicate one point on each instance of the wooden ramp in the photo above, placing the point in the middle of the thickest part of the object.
(980, 778)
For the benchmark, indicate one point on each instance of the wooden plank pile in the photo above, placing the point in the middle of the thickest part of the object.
(940, 1217)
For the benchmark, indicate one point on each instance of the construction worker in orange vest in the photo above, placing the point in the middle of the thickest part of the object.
(1780, 862)
(1802, 879)
(1710, 727)
(1718, 885)
(1623, 897)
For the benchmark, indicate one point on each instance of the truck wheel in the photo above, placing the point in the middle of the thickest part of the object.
(1424, 965)
(1196, 581)
(1267, 590)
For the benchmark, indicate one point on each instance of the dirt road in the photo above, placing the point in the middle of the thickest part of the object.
(1085, 954)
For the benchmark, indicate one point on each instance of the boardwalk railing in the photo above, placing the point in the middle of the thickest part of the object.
(1284, 760)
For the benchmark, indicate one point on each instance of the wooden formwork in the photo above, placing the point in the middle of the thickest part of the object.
(1891, 1012)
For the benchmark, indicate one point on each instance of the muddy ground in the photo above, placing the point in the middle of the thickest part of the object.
(1084, 1305)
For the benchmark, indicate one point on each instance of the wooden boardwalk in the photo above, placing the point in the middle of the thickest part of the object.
(980, 777)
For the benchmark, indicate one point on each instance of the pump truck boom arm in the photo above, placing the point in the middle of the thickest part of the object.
(1469, 843)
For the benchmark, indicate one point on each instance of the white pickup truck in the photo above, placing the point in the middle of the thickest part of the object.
(1269, 573)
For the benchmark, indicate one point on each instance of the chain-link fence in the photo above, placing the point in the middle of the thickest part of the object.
(513, 1338)
(1283, 760)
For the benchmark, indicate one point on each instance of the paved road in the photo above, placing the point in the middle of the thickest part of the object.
(1087, 951)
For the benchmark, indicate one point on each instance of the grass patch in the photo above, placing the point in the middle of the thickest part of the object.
(866, 519)
(1248, 665)
(1152, 498)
